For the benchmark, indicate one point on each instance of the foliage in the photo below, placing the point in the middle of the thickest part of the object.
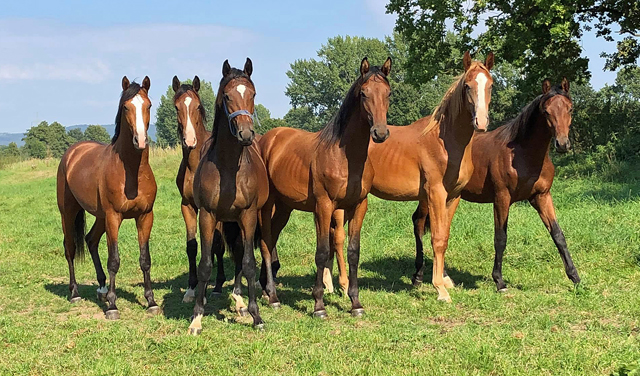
(167, 119)
(97, 133)
(540, 37)
(318, 87)
(76, 135)
(46, 140)
(266, 122)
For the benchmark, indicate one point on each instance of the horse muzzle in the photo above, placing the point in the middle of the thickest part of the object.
(562, 144)
(246, 136)
(379, 136)
(140, 143)
(481, 124)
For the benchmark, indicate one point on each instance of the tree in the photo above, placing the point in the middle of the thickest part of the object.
(75, 135)
(11, 150)
(97, 133)
(167, 119)
(542, 38)
(46, 140)
(266, 122)
(318, 87)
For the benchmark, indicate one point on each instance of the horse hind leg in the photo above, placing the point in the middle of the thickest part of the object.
(218, 250)
(237, 248)
(73, 225)
(93, 240)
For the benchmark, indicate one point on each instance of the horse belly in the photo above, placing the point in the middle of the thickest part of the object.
(393, 186)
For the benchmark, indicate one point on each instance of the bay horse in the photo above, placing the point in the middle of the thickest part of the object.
(430, 161)
(230, 183)
(191, 116)
(112, 182)
(512, 164)
(325, 171)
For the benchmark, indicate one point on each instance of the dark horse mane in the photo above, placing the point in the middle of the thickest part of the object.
(516, 129)
(126, 95)
(219, 112)
(334, 129)
(184, 89)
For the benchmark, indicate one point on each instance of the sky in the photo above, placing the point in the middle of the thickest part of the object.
(64, 61)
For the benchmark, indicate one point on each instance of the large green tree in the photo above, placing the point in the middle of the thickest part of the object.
(45, 140)
(97, 133)
(540, 37)
(318, 87)
(166, 117)
(76, 135)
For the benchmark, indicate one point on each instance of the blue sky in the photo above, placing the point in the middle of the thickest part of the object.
(63, 61)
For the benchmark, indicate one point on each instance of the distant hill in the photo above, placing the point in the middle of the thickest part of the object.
(7, 138)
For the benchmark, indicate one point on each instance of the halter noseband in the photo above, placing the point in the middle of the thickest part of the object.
(233, 115)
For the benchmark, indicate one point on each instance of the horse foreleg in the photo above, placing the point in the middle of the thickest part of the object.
(543, 203)
(248, 227)
(337, 248)
(267, 244)
(207, 226)
(190, 215)
(112, 226)
(500, 221)
(93, 240)
(218, 251)
(440, 221)
(144, 224)
(353, 256)
(323, 212)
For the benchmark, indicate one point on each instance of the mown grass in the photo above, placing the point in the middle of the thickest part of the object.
(541, 326)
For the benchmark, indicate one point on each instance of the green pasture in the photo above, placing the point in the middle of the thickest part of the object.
(541, 326)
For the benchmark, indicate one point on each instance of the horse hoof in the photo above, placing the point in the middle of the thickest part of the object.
(215, 293)
(195, 331)
(112, 314)
(188, 299)
(243, 311)
(75, 299)
(416, 282)
(445, 299)
(259, 327)
(101, 293)
(357, 312)
(275, 305)
(502, 290)
(448, 282)
(322, 314)
(154, 310)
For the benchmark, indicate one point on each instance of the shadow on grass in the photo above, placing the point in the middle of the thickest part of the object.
(88, 292)
(391, 271)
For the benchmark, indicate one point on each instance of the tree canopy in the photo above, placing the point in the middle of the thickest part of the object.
(97, 133)
(540, 37)
(46, 140)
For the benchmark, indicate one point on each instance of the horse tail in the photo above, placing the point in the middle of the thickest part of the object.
(257, 237)
(427, 224)
(80, 228)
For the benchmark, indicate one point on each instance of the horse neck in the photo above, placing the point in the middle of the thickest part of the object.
(457, 131)
(192, 156)
(131, 157)
(357, 134)
(225, 144)
(538, 137)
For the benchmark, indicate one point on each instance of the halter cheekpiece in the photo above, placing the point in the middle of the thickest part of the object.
(233, 115)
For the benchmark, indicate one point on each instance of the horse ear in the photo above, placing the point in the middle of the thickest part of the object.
(175, 84)
(364, 66)
(565, 84)
(125, 83)
(196, 83)
(146, 83)
(488, 62)
(546, 86)
(386, 67)
(226, 68)
(248, 67)
(466, 61)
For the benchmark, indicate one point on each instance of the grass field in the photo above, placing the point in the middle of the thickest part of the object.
(541, 326)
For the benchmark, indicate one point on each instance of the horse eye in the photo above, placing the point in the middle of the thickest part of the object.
(226, 97)
(363, 94)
